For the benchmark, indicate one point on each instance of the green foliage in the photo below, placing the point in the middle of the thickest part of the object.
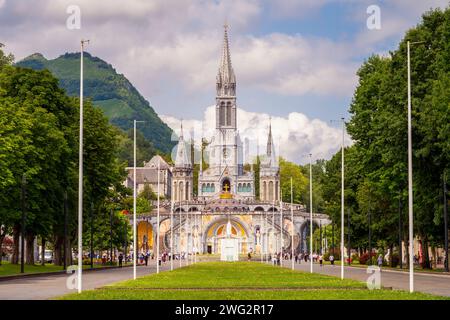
(147, 193)
(300, 183)
(5, 59)
(376, 164)
(39, 127)
(108, 90)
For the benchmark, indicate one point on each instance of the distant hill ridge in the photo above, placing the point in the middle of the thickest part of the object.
(110, 91)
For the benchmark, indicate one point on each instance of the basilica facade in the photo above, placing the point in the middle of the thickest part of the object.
(226, 197)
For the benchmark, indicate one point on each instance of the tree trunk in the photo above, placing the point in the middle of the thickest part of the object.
(43, 252)
(29, 248)
(2, 237)
(16, 235)
(58, 254)
(426, 256)
(69, 260)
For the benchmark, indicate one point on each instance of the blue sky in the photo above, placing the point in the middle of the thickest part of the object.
(295, 60)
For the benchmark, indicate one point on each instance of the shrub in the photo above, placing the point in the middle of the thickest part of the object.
(364, 258)
(395, 260)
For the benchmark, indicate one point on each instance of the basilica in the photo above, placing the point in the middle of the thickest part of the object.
(226, 204)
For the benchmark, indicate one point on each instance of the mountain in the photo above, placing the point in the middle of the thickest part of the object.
(110, 91)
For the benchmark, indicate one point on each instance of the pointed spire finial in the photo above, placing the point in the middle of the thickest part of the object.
(181, 131)
(225, 76)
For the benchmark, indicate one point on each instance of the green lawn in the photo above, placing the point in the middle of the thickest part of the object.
(7, 269)
(240, 280)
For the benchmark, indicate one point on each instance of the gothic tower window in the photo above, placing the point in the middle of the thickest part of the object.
(181, 190)
(276, 191)
(228, 112)
(222, 114)
(175, 190)
(187, 191)
(264, 197)
(271, 191)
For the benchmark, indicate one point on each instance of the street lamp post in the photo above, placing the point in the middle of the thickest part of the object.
(111, 234)
(157, 224)
(342, 201)
(80, 176)
(310, 216)
(171, 234)
(445, 224)
(293, 227)
(410, 175)
(410, 191)
(91, 243)
(370, 232)
(400, 249)
(66, 209)
(134, 200)
(22, 227)
(281, 230)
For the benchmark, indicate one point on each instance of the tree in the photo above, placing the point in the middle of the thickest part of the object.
(5, 59)
(290, 170)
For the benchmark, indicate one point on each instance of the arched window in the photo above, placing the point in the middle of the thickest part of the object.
(276, 191)
(264, 195)
(271, 191)
(229, 114)
(175, 191)
(181, 191)
(187, 191)
(222, 114)
(213, 189)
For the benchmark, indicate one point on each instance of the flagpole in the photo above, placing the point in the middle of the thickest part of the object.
(187, 236)
(310, 215)
(342, 203)
(281, 228)
(171, 235)
(180, 224)
(80, 177)
(134, 204)
(292, 235)
(157, 223)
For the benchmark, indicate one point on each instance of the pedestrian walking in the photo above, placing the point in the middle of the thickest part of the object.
(120, 260)
(321, 260)
(332, 259)
(146, 259)
(380, 261)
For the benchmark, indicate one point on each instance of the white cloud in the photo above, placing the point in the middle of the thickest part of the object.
(294, 136)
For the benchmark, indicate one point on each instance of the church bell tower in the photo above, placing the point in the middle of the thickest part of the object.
(226, 89)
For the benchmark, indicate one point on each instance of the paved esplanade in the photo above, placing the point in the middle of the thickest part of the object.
(51, 286)
(438, 284)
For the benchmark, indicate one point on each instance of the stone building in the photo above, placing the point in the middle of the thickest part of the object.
(226, 192)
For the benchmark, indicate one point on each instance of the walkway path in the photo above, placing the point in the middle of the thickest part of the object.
(428, 283)
(51, 286)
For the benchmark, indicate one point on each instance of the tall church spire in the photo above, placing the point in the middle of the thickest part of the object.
(182, 159)
(270, 151)
(226, 80)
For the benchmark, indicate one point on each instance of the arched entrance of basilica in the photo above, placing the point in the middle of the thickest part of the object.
(144, 237)
(216, 231)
